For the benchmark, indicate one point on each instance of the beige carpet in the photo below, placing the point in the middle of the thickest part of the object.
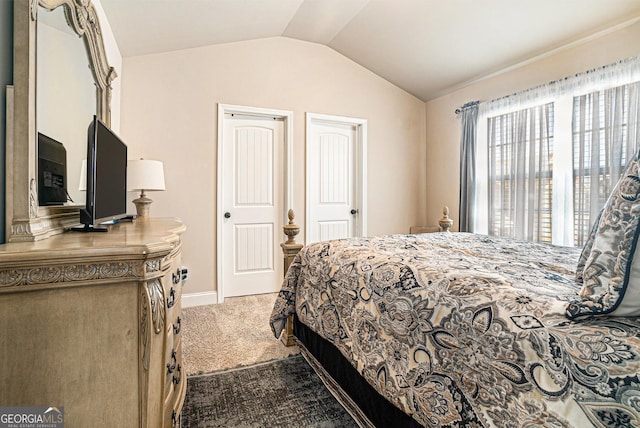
(235, 333)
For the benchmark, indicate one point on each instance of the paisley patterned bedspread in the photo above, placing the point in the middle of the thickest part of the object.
(459, 329)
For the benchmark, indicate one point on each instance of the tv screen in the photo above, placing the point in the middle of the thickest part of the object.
(106, 176)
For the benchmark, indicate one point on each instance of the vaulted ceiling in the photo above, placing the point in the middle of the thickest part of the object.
(426, 47)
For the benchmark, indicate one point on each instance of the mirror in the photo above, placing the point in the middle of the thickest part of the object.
(25, 219)
(65, 95)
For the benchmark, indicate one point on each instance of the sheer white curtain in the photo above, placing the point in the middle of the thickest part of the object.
(619, 73)
(520, 164)
(606, 134)
(561, 93)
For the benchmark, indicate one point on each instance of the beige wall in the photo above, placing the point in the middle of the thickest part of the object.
(169, 112)
(443, 127)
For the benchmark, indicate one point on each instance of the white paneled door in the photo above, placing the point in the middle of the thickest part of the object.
(335, 179)
(252, 205)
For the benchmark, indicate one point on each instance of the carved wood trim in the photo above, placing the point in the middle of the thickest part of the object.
(158, 311)
(153, 265)
(36, 228)
(152, 317)
(79, 272)
(152, 302)
(144, 355)
(82, 18)
(68, 273)
(33, 199)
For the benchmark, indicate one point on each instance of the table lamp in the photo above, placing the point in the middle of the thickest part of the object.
(144, 175)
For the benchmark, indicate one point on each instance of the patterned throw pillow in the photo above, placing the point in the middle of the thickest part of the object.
(611, 277)
(586, 250)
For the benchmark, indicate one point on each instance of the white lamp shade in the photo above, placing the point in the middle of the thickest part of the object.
(145, 174)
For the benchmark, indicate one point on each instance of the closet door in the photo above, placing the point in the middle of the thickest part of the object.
(252, 177)
(335, 165)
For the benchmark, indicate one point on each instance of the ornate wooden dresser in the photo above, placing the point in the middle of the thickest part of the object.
(91, 322)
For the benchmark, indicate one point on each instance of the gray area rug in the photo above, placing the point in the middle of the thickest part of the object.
(282, 393)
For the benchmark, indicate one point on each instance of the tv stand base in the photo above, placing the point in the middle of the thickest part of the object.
(89, 228)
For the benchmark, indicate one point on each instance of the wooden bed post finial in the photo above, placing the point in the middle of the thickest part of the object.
(291, 229)
(445, 222)
(289, 248)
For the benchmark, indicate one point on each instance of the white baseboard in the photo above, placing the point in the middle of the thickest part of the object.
(199, 299)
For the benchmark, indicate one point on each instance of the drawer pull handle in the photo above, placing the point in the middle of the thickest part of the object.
(177, 326)
(171, 300)
(176, 380)
(172, 365)
(181, 274)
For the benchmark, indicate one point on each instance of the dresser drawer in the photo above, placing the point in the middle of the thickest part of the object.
(173, 284)
(173, 331)
(173, 301)
(175, 373)
(175, 388)
(173, 406)
(174, 323)
(173, 314)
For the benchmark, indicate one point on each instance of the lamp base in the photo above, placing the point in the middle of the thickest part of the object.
(142, 205)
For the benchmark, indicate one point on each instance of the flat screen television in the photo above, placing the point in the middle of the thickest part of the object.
(106, 178)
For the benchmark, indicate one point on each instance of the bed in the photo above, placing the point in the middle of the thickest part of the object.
(457, 329)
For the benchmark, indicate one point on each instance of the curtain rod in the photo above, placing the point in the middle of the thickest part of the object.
(466, 106)
(555, 82)
(574, 76)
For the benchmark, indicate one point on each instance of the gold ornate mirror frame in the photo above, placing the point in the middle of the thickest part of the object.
(25, 220)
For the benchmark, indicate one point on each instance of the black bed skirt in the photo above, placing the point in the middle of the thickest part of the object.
(379, 411)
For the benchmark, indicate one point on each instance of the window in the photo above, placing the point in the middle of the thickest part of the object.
(601, 149)
(520, 173)
(548, 157)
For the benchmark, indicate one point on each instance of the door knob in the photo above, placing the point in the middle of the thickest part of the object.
(227, 215)
(354, 211)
